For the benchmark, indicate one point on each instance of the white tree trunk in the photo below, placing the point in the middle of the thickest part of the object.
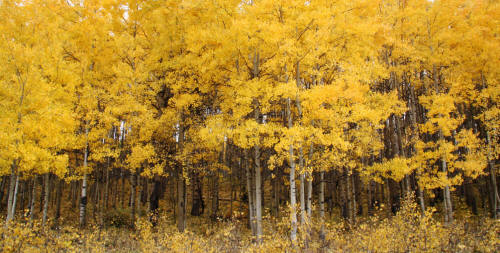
(83, 199)
(448, 209)
(309, 184)
(302, 188)
(14, 200)
(258, 195)
(12, 185)
(293, 198)
(258, 179)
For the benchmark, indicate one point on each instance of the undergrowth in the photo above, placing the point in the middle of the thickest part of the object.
(407, 231)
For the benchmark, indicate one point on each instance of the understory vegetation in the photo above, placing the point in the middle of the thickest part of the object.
(407, 231)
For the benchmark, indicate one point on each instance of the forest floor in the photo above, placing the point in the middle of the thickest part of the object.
(407, 231)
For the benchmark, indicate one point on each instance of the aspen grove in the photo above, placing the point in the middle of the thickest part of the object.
(254, 125)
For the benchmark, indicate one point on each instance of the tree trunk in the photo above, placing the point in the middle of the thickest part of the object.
(41, 194)
(354, 192)
(493, 177)
(181, 204)
(448, 208)
(258, 183)
(258, 195)
(154, 199)
(302, 188)
(322, 205)
(277, 192)
(83, 198)
(421, 198)
(251, 208)
(2, 192)
(14, 201)
(106, 189)
(349, 195)
(12, 186)
(16, 190)
(181, 185)
(33, 199)
(388, 196)
(83, 201)
(198, 206)
(309, 183)
(46, 197)
(122, 190)
(23, 196)
(133, 189)
(293, 213)
(215, 196)
(58, 200)
(309, 194)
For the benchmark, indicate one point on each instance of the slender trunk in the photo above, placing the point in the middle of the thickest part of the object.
(493, 177)
(388, 194)
(231, 190)
(46, 198)
(10, 200)
(369, 201)
(251, 219)
(75, 195)
(140, 183)
(83, 201)
(83, 198)
(122, 190)
(41, 194)
(421, 198)
(181, 185)
(446, 196)
(258, 184)
(95, 195)
(23, 195)
(302, 188)
(2, 190)
(173, 197)
(495, 196)
(154, 200)
(309, 194)
(322, 205)
(348, 195)
(276, 185)
(215, 196)
(33, 200)
(133, 189)
(293, 213)
(273, 192)
(258, 195)
(181, 204)
(106, 189)
(149, 183)
(14, 201)
(198, 205)
(402, 153)
(58, 200)
(413, 117)
(354, 202)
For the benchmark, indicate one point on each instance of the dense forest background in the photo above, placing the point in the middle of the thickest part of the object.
(285, 117)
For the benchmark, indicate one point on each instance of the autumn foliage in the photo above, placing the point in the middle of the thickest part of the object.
(259, 125)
